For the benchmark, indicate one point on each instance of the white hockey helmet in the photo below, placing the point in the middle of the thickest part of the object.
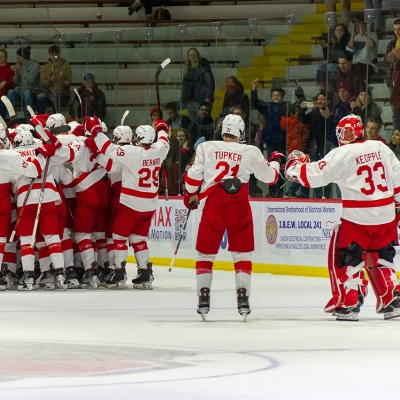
(122, 134)
(233, 125)
(23, 135)
(55, 120)
(145, 134)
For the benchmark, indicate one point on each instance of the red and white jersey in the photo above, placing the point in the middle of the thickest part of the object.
(217, 161)
(140, 170)
(29, 157)
(368, 175)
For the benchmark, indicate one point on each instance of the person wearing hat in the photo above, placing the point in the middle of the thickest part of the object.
(55, 82)
(92, 100)
(26, 79)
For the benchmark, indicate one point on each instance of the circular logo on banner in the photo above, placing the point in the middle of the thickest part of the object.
(271, 229)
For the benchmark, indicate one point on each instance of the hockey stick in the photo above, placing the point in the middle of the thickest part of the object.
(31, 112)
(159, 69)
(43, 134)
(180, 239)
(10, 108)
(80, 102)
(124, 116)
(5, 127)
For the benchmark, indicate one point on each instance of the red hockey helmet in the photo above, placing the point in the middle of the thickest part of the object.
(349, 129)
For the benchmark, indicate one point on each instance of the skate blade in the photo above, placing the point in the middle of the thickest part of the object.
(392, 314)
(244, 315)
(116, 286)
(204, 316)
(3, 287)
(26, 288)
(143, 286)
(72, 284)
(90, 286)
(347, 317)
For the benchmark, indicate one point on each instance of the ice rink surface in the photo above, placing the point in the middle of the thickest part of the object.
(131, 344)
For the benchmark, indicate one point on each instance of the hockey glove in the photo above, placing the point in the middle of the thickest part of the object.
(294, 158)
(278, 157)
(191, 200)
(54, 139)
(93, 125)
(48, 150)
(160, 125)
(91, 145)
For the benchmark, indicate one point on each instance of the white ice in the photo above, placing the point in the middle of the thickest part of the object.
(131, 344)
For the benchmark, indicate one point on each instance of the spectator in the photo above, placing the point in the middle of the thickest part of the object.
(198, 84)
(373, 128)
(250, 130)
(55, 83)
(395, 143)
(331, 7)
(318, 120)
(155, 113)
(364, 107)
(137, 5)
(175, 119)
(273, 136)
(186, 151)
(364, 46)
(234, 96)
(6, 80)
(379, 22)
(392, 61)
(93, 100)
(203, 128)
(331, 49)
(26, 79)
(171, 165)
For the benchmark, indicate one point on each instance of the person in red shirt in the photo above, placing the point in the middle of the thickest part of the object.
(6, 80)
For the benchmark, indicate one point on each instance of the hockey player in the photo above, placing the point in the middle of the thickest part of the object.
(368, 175)
(139, 194)
(219, 176)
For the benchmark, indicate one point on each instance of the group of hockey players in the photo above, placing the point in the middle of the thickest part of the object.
(73, 201)
(69, 210)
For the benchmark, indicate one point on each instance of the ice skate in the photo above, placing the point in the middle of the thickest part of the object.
(103, 273)
(26, 282)
(45, 281)
(144, 279)
(3, 283)
(117, 279)
(243, 303)
(89, 279)
(392, 310)
(347, 313)
(71, 279)
(10, 278)
(204, 303)
(60, 278)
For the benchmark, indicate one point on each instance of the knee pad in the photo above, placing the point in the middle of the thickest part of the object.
(352, 255)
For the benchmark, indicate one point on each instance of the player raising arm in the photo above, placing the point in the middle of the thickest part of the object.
(368, 175)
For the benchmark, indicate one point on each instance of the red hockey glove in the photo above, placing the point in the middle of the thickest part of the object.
(54, 139)
(91, 145)
(48, 150)
(191, 200)
(93, 125)
(278, 157)
(161, 125)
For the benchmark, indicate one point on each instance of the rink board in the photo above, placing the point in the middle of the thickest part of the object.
(291, 236)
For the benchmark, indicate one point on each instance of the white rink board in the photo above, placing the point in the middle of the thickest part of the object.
(288, 234)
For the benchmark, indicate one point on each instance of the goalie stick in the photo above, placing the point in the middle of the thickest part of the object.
(180, 239)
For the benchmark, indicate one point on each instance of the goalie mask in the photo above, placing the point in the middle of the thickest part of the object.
(122, 134)
(349, 129)
(233, 125)
(23, 135)
(145, 134)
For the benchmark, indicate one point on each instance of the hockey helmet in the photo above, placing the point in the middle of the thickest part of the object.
(3, 138)
(55, 120)
(349, 129)
(23, 135)
(233, 125)
(145, 134)
(122, 134)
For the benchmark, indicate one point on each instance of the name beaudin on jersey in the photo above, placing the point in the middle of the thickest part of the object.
(228, 155)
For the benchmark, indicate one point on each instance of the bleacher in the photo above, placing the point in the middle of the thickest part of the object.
(248, 39)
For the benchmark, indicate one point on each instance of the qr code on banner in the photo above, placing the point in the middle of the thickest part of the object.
(180, 216)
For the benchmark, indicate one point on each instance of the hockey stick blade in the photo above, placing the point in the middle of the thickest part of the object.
(30, 110)
(124, 116)
(79, 96)
(10, 108)
(165, 63)
(3, 123)
(42, 133)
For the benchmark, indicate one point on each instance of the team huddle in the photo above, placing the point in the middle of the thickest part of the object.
(73, 201)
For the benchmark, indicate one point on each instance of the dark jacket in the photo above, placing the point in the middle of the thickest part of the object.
(93, 103)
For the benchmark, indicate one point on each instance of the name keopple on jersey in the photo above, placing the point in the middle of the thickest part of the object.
(152, 162)
(228, 155)
(368, 157)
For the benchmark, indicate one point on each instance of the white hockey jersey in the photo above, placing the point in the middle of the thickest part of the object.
(140, 170)
(219, 160)
(368, 175)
